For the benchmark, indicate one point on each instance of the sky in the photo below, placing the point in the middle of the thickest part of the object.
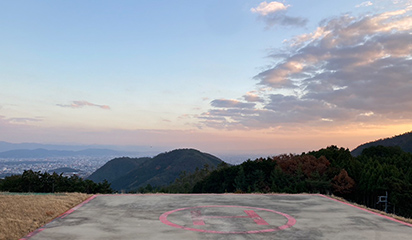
(233, 76)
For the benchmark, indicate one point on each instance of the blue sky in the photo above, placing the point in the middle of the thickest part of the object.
(225, 76)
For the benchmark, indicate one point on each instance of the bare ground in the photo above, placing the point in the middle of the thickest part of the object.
(24, 213)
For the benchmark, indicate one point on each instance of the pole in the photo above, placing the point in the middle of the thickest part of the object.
(386, 202)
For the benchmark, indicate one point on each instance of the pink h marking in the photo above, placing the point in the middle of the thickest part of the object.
(198, 219)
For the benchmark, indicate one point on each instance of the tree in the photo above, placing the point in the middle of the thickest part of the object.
(31, 181)
(240, 181)
(343, 184)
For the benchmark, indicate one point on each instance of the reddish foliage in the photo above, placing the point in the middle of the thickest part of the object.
(308, 164)
(260, 159)
(342, 183)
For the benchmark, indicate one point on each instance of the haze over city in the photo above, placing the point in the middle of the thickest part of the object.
(235, 76)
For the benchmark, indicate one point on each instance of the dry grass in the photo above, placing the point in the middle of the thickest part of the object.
(22, 214)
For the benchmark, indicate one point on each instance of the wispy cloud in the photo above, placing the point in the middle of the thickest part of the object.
(349, 70)
(23, 120)
(80, 104)
(364, 4)
(19, 120)
(274, 13)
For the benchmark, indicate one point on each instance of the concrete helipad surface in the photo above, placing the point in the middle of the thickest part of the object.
(215, 216)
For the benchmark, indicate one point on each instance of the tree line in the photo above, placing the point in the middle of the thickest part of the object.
(31, 181)
(330, 170)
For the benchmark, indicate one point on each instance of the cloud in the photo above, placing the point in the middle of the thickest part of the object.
(273, 13)
(265, 8)
(350, 70)
(23, 120)
(364, 4)
(252, 96)
(18, 120)
(224, 103)
(80, 104)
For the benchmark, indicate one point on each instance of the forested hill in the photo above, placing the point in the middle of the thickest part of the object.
(116, 168)
(132, 173)
(404, 141)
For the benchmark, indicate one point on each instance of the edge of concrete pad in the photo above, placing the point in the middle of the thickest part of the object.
(321, 195)
(63, 215)
(366, 210)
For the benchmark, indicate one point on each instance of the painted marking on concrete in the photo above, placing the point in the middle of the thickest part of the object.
(77, 207)
(37, 231)
(199, 220)
(258, 220)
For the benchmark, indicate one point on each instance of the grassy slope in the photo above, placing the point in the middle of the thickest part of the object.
(22, 214)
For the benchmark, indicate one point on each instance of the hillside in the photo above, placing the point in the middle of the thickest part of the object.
(116, 168)
(157, 171)
(404, 141)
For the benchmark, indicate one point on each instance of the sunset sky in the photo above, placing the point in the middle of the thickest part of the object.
(232, 76)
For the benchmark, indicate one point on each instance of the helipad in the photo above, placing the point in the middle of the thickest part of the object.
(220, 216)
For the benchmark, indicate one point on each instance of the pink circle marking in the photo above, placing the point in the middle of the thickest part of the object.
(290, 223)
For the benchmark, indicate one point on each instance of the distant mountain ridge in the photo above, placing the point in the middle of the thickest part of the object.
(42, 153)
(136, 150)
(130, 174)
(404, 141)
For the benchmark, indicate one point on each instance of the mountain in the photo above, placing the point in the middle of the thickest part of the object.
(404, 141)
(135, 151)
(161, 170)
(6, 146)
(42, 153)
(116, 168)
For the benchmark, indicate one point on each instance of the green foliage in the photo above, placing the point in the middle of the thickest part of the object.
(31, 181)
(240, 181)
(385, 169)
(186, 181)
(250, 176)
(158, 171)
(218, 181)
(116, 168)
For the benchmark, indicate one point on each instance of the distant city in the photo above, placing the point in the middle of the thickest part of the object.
(66, 159)
(75, 160)
(83, 165)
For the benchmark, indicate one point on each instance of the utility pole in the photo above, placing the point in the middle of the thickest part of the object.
(384, 199)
